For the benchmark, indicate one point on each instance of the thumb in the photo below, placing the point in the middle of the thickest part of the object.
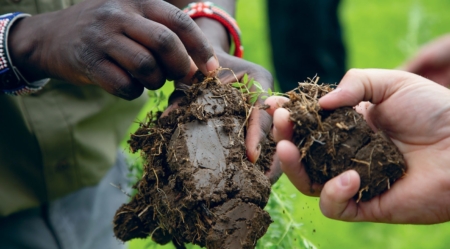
(259, 124)
(336, 198)
(374, 85)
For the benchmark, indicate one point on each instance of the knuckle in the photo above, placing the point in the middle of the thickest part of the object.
(120, 85)
(353, 72)
(91, 62)
(182, 20)
(165, 40)
(108, 12)
(103, 13)
(97, 35)
(104, 42)
(89, 36)
(144, 64)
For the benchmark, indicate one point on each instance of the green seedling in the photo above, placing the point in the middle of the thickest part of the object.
(158, 100)
(253, 89)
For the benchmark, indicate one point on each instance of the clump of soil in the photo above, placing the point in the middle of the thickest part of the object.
(198, 185)
(331, 142)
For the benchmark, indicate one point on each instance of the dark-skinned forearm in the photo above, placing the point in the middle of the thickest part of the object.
(25, 46)
(213, 30)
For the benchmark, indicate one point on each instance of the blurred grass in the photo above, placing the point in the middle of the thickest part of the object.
(378, 34)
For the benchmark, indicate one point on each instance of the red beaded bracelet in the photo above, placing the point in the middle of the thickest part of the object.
(208, 9)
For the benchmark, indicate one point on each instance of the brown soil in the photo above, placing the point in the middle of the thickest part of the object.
(198, 185)
(331, 142)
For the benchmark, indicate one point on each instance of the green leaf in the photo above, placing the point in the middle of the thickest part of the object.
(162, 96)
(245, 78)
(253, 99)
(151, 94)
(258, 86)
(269, 91)
(250, 84)
(264, 97)
(237, 85)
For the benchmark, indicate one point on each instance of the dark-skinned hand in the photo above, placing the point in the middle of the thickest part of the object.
(260, 122)
(120, 45)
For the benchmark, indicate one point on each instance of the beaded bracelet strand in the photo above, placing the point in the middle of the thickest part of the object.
(11, 80)
(210, 10)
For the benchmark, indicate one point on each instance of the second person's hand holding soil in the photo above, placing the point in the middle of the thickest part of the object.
(415, 113)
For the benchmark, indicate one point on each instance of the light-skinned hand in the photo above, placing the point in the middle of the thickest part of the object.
(415, 113)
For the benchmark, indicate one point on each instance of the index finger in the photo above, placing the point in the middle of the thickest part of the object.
(187, 30)
(274, 103)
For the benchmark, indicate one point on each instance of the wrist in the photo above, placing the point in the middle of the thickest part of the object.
(12, 80)
(24, 40)
(217, 24)
(215, 32)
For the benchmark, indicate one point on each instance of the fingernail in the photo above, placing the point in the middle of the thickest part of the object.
(258, 152)
(212, 64)
(344, 179)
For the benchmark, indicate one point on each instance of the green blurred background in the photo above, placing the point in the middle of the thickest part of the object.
(378, 34)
